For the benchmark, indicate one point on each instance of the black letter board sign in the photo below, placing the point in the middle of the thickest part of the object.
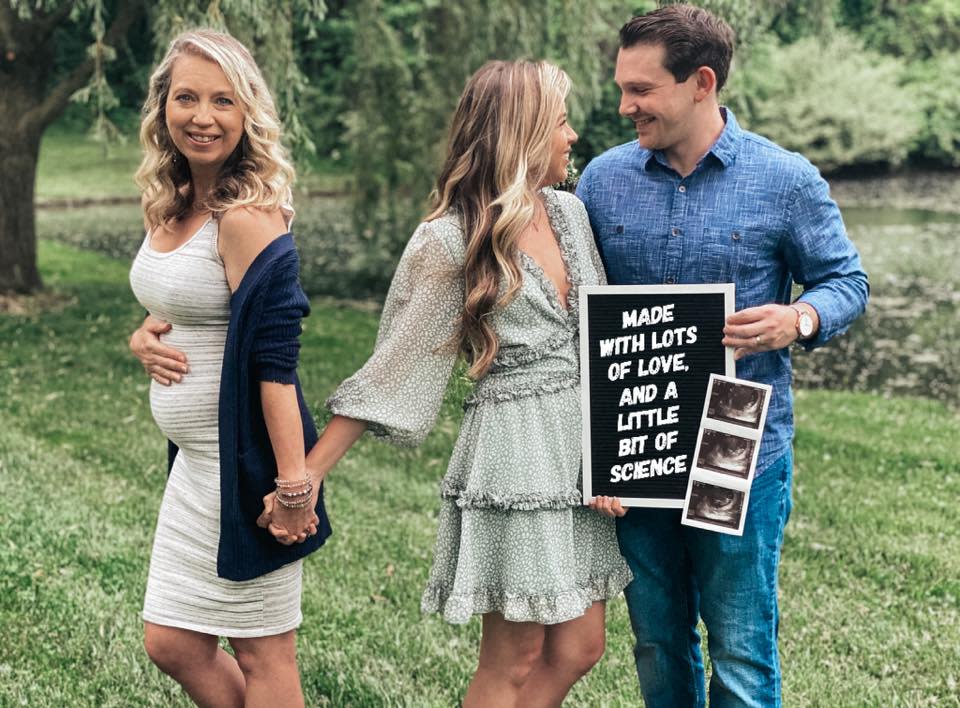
(646, 355)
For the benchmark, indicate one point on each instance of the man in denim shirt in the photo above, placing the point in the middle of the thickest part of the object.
(697, 199)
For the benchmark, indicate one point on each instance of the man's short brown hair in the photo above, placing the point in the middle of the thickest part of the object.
(691, 38)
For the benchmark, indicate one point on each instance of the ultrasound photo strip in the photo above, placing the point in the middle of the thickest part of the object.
(728, 444)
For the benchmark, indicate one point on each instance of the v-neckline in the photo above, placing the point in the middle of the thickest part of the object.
(547, 283)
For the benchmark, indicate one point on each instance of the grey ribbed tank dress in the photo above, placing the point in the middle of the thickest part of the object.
(188, 288)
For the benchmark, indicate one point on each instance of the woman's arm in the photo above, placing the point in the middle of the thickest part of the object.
(412, 359)
(164, 364)
(281, 412)
(338, 437)
(244, 233)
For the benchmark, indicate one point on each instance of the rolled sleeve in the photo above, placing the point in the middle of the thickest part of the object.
(824, 261)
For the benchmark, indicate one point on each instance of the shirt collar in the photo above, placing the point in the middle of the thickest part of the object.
(725, 148)
(727, 145)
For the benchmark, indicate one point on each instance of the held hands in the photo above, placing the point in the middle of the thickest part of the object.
(164, 364)
(761, 329)
(290, 525)
(608, 506)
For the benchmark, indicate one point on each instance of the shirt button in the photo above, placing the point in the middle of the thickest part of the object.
(670, 280)
(682, 188)
(674, 231)
(736, 236)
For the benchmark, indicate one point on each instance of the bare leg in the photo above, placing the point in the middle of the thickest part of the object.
(509, 651)
(208, 674)
(570, 650)
(269, 665)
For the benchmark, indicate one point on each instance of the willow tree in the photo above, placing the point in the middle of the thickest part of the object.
(32, 98)
(412, 58)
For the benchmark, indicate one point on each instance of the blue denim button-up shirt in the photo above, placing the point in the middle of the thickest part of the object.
(751, 213)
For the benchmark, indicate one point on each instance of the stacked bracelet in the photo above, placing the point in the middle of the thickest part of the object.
(294, 493)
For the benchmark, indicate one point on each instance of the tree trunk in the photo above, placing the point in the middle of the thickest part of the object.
(28, 106)
(24, 74)
(18, 240)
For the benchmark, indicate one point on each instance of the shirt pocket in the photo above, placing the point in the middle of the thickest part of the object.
(631, 253)
(728, 254)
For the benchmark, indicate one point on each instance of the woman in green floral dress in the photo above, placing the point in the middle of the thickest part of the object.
(493, 274)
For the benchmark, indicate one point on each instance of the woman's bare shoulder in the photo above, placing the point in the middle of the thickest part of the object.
(252, 221)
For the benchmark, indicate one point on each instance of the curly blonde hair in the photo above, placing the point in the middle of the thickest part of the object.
(497, 157)
(257, 174)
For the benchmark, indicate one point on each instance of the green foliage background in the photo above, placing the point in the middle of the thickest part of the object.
(372, 82)
(366, 87)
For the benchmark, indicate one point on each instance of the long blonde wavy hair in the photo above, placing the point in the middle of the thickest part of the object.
(258, 173)
(497, 156)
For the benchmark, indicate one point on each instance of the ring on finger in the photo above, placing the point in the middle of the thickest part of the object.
(759, 340)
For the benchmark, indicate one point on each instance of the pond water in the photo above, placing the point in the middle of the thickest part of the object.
(908, 342)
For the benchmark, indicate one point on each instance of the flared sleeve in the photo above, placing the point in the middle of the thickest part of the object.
(400, 388)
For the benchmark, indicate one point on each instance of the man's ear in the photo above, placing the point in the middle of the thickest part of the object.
(706, 83)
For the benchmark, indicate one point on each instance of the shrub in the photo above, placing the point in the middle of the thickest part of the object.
(838, 103)
(937, 83)
(916, 30)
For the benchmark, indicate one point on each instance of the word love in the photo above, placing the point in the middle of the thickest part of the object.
(660, 364)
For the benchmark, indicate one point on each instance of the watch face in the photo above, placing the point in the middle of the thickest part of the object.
(806, 325)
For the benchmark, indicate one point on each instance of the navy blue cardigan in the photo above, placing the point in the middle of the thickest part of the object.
(262, 345)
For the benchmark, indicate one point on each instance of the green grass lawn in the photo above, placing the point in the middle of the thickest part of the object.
(870, 574)
(74, 167)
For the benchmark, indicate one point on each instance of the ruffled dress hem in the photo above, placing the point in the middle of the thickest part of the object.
(485, 499)
(542, 609)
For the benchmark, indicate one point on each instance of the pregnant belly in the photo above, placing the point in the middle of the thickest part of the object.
(186, 412)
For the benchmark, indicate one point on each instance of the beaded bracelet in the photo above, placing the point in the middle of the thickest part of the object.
(292, 482)
(294, 502)
(293, 505)
(294, 494)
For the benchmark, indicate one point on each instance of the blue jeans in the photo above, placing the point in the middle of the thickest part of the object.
(681, 574)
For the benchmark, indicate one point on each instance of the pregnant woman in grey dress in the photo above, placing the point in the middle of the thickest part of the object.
(218, 273)
(493, 274)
